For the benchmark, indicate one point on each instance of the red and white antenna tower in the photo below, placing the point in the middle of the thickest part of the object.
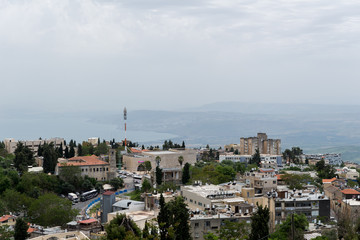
(125, 117)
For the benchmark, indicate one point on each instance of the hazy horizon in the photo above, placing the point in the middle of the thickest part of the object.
(98, 55)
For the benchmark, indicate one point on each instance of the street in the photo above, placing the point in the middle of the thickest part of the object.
(81, 206)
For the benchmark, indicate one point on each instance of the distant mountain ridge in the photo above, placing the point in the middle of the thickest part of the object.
(316, 128)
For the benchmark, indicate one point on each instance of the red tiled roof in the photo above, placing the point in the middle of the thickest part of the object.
(134, 150)
(266, 170)
(5, 218)
(279, 176)
(350, 191)
(30, 230)
(108, 193)
(87, 221)
(328, 180)
(83, 161)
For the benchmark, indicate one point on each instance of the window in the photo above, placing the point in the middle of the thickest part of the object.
(107, 169)
(86, 169)
(207, 223)
(97, 169)
(82, 169)
(101, 169)
(200, 204)
(274, 182)
(191, 200)
(196, 224)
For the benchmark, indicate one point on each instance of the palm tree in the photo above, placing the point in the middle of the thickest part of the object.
(181, 160)
(158, 160)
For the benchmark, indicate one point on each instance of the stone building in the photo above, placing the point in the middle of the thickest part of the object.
(249, 145)
(169, 159)
(90, 166)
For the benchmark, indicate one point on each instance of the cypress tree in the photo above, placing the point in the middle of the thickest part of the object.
(183, 144)
(39, 151)
(61, 151)
(158, 174)
(259, 223)
(186, 174)
(79, 150)
(66, 154)
(163, 218)
(21, 228)
(72, 152)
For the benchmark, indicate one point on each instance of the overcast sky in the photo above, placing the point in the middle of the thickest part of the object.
(87, 54)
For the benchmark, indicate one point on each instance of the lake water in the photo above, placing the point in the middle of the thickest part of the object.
(79, 129)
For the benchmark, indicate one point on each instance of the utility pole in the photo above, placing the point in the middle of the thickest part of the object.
(125, 117)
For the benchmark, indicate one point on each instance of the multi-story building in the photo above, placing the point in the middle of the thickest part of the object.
(203, 224)
(348, 173)
(249, 145)
(90, 166)
(332, 158)
(93, 141)
(262, 181)
(205, 197)
(10, 143)
(168, 159)
(311, 204)
(266, 159)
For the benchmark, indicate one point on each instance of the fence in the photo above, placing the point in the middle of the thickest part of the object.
(99, 198)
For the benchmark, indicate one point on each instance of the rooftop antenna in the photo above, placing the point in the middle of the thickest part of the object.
(125, 117)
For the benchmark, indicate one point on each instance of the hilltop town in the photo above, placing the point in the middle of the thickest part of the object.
(104, 189)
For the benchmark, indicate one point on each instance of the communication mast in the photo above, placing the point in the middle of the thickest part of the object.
(125, 117)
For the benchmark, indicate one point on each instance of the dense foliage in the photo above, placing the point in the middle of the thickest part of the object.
(284, 231)
(293, 154)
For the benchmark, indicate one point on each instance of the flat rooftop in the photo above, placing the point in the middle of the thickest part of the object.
(206, 190)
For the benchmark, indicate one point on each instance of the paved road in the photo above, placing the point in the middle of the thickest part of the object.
(128, 182)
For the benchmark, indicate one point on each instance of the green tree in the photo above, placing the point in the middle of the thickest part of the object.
(285, 231)
(330, 234)
(79, 150)
(173, 219)
(6, 233)
(150, 231)
(70, 174)
(256, 159)
(346, 229)
(24, 157)
(158, 175)
(102, 148)
(145, 186)
(181, 160)
(21, 228)
(234, 230)
(163, 218)
(148, 166)
(16, 202)
(211, 236)
(259, 223)
(158, 160)
(116, 183)
(72, 151)
(122, 227)
(60, 151)
(296, 180)
(186, 174)
(183, 145)
(66, 152)
(50, 158)
(293, 155)
(50, 210)
(40, 150)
